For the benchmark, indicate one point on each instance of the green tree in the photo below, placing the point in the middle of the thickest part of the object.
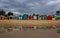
(2, 12)
(10, 13)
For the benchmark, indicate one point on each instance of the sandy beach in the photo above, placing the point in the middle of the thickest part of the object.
(39, 33)
(29, 22)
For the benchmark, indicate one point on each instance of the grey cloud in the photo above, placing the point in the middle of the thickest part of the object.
(30, 6)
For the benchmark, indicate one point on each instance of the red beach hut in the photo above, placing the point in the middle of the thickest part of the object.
(30, 17)
(49, 17)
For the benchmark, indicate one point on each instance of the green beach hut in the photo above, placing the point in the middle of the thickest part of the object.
(44, 17)
(25, 17)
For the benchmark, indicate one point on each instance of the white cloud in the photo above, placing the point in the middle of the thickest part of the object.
(53, 2)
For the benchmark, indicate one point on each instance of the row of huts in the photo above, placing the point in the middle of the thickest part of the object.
(30, 17)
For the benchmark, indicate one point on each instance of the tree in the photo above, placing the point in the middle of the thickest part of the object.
(10, 13)
(57, 12)
(2, 12)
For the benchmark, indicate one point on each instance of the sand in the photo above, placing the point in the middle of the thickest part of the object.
(39, 33)
(29, 22)
(52, 33)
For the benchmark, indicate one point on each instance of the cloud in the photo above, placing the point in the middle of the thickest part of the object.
(30, 6)
(53, 2)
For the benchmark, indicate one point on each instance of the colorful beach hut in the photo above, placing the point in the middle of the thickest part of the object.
(44, 17)
(25, 17)
(35, 17)
(11, 17)
(49, 17)
(6, 17)
(57, 17)
(1, 17)
(53, 17)
(40, 18)
(30, 17)
(20, 17)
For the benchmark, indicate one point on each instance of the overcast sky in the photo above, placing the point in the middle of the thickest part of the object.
(30, 6)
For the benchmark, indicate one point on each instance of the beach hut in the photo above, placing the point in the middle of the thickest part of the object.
(6, 17)
(11, 17)
(39, 17)
(35, 17)
(25, 17)
(1, 17)
(30, 17)
(49, 17)
(20, 17)
(44, 17)
(16, 17)
(53, 17)
(57, 17)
